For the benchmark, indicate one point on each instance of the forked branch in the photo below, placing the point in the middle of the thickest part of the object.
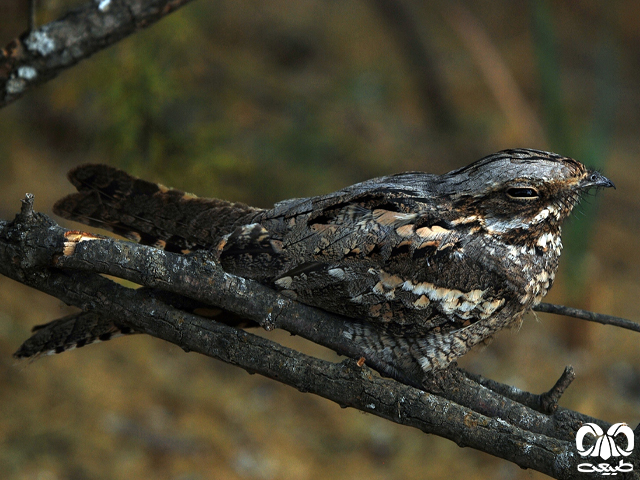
(451, 403)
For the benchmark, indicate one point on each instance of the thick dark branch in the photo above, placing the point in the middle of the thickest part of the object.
(197, 276)
(586, 315)
(33, 243)
(344, 383)
(39, 55)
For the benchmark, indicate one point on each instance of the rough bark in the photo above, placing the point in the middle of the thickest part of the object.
(39, 55)
(468, 410)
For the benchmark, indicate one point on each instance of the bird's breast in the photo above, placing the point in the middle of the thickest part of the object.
(531, 268)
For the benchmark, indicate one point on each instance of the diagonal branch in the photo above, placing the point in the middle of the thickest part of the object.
(39, 55)
(586, 315)
(68, 265)
(344, 383)
(196, 276)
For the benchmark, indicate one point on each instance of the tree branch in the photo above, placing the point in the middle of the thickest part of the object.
(66, 264)
(454, 404)
(586, 315)
(40, 54)
(194, 275)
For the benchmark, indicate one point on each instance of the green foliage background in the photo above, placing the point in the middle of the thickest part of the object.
(262, 101)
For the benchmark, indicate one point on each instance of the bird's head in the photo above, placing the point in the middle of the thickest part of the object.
(520, 191)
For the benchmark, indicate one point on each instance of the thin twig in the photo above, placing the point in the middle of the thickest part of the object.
(549, 400)
(587, 315)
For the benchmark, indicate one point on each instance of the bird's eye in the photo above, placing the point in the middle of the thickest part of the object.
(522, 193)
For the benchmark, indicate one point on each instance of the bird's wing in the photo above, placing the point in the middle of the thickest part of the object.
(379, 251)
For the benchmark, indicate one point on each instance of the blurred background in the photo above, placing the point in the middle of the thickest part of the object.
(261, 101)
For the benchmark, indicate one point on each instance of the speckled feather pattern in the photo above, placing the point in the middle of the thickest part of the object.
(434, 264)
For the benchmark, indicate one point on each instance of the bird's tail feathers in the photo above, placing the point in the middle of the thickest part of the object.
(149, 213)
(67, 333)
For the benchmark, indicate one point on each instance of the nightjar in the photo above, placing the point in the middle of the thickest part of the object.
(429, 265)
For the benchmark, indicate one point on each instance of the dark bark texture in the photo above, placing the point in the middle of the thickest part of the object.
(527, 429)
(39, 55)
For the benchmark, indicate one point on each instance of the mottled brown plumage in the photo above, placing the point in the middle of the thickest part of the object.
(434, 264)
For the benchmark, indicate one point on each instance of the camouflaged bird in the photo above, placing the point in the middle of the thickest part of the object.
(430, 265)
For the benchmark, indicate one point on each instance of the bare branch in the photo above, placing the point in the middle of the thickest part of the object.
(549, 400)
(40, 54)
(38, 253)
(586, 315)
(193, 275)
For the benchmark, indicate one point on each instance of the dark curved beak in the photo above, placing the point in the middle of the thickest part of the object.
(596, 180)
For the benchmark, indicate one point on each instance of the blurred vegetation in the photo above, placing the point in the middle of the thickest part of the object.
(261, 101)
(585, 138)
